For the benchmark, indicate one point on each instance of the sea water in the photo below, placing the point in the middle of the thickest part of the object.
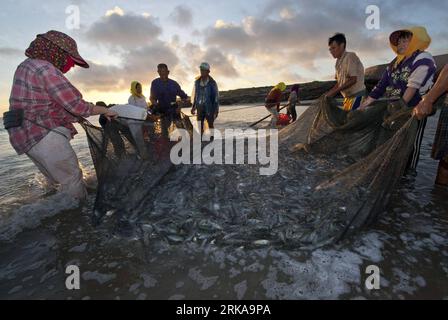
(42, 232)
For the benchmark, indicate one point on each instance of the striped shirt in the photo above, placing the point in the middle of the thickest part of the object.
(47, 98)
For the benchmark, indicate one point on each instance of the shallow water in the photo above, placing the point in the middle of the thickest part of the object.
(40, 234)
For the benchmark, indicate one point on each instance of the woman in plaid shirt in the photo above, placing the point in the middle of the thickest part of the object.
(51, 104)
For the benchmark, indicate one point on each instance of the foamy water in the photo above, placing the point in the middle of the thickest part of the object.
(42, 232)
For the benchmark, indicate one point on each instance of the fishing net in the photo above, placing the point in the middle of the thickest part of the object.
(336, 171)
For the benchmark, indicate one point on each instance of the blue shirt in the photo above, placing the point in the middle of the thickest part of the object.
(165, 93)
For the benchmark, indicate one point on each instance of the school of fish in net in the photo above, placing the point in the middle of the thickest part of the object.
(336, 171)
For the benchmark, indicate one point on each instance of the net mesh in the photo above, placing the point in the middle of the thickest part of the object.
(336, 172)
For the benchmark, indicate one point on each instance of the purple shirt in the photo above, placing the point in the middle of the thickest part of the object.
(395, 81)
(165, 93)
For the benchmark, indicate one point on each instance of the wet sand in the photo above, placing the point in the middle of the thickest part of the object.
(41, 235)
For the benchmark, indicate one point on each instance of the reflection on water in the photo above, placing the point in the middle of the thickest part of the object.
(42, 233)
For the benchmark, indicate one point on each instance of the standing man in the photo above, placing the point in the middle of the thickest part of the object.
(205, 97)
(349, 74)
(164, 92)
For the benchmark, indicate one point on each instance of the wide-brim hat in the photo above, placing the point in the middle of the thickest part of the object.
(204, 66)
(419, 34)
(67, 44)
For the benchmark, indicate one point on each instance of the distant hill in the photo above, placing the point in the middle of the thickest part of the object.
(374, 73)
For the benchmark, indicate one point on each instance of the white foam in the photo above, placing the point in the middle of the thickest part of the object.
(30, 216)
(328, 274)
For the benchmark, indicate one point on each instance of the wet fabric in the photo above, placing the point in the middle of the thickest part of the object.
(57, 161)
(336, 171)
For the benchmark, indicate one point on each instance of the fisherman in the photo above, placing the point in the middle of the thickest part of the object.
(43, 107)
(273, 102)
(426, 108)
(205, 97)
(164, 92)
(292, 102)
(409, 76)
(349, 74)
(137, 98)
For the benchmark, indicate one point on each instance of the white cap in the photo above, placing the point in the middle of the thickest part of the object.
(204, 66)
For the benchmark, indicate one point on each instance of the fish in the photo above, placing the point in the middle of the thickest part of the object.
(312, 199)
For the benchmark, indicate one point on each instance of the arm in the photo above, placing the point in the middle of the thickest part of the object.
(193, 98)
(352, 68)
(152, 96)
(181, 93)
(332, 91)
(67, 96)
(279, 100)
(378, 91)
(426, 105)
(109, 114)
(409, 94)
(351, 81)
(217, 99)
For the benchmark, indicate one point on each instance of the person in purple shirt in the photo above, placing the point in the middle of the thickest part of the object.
(164, 93)
(409, 77)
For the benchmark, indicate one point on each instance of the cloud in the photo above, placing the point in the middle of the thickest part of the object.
(293, 33)
(139, 64)
(133, 40)
(220, 63)
(229, 37)
(10, 52)
(285, 40)
(125, 30)
(182, 16)
(143, 61)
(116, 10)
(99, 77)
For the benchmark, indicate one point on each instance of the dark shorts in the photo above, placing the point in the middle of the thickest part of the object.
(206, 116)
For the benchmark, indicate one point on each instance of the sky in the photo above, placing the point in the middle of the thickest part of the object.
(247, 43)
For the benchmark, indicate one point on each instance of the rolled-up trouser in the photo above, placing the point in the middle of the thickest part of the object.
(274, 119)
(56, 159)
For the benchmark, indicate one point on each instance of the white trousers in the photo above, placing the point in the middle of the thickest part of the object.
(56, 159)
